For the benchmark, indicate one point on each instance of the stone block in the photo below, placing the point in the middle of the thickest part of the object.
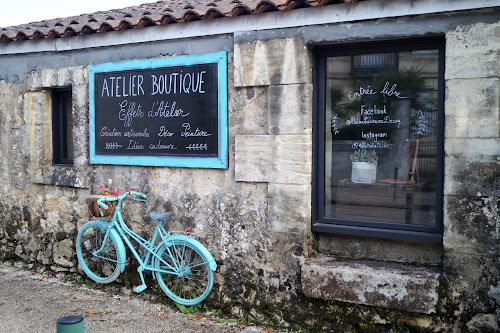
(473, 51)
(398, 287)
(282, 159)
(253, 158)
(290, 109)
(36, 106)
(64, 77)
(470, 279)
(80, 99)
(472, 108)
(360, 248)
(483, 322)
(276, 61)
(59, 77)
(479, 150)
(289, 207)
(79, 75)
(248, 114)
(470, 225)
(63, 253)
(470, 178)
(36, 79)
(49, 77)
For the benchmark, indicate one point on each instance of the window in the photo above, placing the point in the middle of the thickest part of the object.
(62, 127)
(378, 139)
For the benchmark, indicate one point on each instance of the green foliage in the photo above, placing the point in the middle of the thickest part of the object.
(339, 320)
(189, 309)
(395, 314)
(228, 321)
(216, 312)
(364, 156)
(339, 104)
(92, 285)
(335, 308)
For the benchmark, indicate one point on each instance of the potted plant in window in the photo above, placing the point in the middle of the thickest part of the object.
(364, 167)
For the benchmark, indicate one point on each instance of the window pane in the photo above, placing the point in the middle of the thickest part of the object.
(68, 126)
(62, 127)
(381, 137)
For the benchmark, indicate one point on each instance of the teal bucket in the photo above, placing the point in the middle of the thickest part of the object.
(70, 324)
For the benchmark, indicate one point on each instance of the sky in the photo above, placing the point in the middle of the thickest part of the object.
(14, 12)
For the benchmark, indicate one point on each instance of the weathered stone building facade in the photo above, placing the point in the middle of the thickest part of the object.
(256, 216)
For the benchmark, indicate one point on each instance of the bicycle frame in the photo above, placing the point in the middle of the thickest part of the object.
(123, 230)
(180, 264)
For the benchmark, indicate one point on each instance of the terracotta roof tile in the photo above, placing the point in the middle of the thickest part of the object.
(151, 14)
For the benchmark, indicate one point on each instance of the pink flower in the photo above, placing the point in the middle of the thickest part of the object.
(100, 187)
(187, 232)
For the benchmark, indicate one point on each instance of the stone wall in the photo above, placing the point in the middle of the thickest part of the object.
(255, 216)
(472, 177)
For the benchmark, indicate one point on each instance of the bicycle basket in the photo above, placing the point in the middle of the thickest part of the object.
(94, 208)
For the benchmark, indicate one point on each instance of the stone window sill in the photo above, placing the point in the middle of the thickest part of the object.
(59, 175)
(394, 286)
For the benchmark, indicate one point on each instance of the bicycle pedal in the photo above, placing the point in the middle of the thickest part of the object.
(140, 288)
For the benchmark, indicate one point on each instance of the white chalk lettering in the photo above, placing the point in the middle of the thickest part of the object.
(164, 132)
(132, 144)
(166, 110)
(113, 145)
(178, 83)
(187, 131)
(392, 91)
(372, 111)
(128, 111)
(134, 134)
(373, 136)
(385, 120)
(372, 145)
(335, 128)
(107, 132)
(162, 146)
(122, 86)
(362, 91)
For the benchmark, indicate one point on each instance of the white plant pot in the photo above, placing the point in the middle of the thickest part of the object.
(363, 172)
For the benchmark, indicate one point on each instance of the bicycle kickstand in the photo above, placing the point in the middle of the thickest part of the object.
(143, 286)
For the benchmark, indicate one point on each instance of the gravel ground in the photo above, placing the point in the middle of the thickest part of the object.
(31, 302)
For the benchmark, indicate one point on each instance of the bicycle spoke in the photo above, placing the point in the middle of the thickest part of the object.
(193, 280)
(97, 253)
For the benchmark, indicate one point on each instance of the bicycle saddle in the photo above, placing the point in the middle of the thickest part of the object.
(159, 216)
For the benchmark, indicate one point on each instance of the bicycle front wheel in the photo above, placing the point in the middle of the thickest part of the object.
(97, 252)
(192, 281)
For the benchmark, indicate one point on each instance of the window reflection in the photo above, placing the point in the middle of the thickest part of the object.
(381, 137)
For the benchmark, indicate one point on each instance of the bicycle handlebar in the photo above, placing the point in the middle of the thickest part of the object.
(137, 196)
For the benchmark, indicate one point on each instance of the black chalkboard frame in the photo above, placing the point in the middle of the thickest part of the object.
(218, 160)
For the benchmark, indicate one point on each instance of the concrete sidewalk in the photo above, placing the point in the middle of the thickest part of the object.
(31, 302)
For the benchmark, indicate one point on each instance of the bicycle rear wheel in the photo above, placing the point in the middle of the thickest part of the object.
(193, 278)
(97, 252)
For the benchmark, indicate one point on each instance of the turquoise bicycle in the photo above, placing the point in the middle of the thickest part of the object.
(180, 264)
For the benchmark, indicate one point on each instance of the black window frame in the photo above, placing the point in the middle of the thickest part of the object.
(319, 222)
(60, 139)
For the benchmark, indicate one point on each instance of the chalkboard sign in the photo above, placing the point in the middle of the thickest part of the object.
(160, 112)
